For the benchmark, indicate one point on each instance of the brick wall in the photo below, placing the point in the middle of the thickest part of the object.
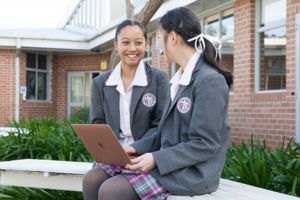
(157, 59)
(36, 109)
(7, 85)
(269, 116)
(72, 63)
(60, 66)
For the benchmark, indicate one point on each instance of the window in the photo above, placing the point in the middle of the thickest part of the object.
(271, 45)
(221, 25)
(37, 77)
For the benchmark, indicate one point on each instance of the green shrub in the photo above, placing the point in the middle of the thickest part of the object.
(22, 193)
(262, 167)
(42, 138)
(82, 115)
(286, 169)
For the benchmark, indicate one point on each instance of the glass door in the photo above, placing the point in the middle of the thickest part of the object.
(79, 94)
(76, 93)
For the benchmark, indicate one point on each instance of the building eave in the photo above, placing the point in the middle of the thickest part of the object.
(108, 33)
(48, 44)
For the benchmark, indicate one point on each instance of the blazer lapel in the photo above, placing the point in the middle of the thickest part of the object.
(181, 88)
(137, 92)
(136, 95)
(112, 96)
(178, 94)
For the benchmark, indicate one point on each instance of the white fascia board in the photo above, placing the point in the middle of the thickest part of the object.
(30, 43)
(105, 37)
(55, 44)
(8, 42)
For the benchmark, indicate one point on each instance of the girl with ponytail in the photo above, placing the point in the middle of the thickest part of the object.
(187, 154)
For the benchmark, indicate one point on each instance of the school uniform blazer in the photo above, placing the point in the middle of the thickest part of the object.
(192, 139)
(144, 118)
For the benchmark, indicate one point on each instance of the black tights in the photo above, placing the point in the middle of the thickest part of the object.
(97, 185)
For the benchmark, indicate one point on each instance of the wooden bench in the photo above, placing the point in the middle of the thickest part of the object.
(64, 175)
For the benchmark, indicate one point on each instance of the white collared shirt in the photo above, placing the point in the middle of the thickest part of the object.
(184, 77)
(140, 79)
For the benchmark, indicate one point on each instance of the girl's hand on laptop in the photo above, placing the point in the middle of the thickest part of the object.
(143, 163)
(130, 150)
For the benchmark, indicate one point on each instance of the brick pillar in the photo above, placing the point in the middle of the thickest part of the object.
(7, 86)
(244, 42)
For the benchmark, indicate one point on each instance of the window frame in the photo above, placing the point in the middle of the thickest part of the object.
(258, 31)
(221, 13)
(36, 71)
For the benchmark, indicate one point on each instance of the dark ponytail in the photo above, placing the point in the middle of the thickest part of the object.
(184, 22)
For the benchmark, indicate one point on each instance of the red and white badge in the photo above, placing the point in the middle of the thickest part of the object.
(184, 104)
(149, 100)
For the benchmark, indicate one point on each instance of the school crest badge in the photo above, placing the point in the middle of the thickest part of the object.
(184, 104)
(149, 100)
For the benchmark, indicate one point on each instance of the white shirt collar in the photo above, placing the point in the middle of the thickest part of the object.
(140, 77)
(184, 77)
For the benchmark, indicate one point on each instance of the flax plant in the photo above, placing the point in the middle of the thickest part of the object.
(257, 165)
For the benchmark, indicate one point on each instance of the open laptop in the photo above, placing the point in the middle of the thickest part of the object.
(102, 144)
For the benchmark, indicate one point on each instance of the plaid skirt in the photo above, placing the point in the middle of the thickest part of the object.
(145, 185)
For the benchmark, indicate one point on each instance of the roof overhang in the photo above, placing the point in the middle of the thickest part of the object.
(108, 34)
(73, 40)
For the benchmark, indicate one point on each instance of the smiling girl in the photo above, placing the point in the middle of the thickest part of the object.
(130, 98)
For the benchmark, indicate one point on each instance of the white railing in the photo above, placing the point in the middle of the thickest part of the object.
(92, 14)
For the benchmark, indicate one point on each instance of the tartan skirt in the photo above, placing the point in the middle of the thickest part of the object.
(145, 185)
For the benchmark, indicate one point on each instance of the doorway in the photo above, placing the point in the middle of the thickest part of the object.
(79, 94)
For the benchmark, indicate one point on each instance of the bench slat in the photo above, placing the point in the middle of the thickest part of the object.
(236, 186)
(51, 166)
(38, 180)
(66, 175)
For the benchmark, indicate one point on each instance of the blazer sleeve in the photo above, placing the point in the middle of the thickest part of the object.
(204, 134)
(97, 115)
(147, 144)
(162, 91)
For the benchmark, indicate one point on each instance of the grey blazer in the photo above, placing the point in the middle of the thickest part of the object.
(192, 139)
(144, 118)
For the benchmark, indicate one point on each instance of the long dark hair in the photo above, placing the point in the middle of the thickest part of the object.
(185, 23)
(129, 22)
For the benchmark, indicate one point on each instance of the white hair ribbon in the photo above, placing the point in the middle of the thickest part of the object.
(200, 43)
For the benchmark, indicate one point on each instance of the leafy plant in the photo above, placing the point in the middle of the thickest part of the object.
(22, 193)
(286, 169)
(250, 166)
(41, 138)
(263, 167)
(82, 115)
